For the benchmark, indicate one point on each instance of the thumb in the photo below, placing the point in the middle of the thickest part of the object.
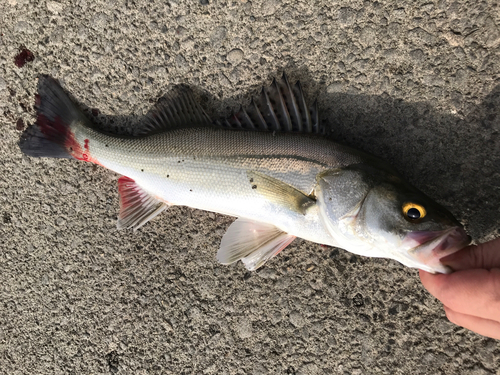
(485, 255)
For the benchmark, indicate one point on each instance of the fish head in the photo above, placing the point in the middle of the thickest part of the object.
(373, 212)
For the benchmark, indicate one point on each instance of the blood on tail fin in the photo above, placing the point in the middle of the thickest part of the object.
(51, 135)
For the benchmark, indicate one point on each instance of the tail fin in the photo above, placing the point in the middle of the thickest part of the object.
(55, 113)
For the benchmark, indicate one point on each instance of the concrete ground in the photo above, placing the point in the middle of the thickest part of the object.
(416, 83)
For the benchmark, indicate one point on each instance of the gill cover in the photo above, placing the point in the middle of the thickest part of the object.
(340, 195)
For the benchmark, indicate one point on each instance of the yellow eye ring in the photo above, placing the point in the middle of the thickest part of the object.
(414, 211)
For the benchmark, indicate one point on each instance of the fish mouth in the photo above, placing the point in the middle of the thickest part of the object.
(430, 247)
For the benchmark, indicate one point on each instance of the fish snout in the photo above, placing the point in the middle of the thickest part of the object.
(431, 247)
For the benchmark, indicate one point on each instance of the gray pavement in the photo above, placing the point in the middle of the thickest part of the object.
(416, 83)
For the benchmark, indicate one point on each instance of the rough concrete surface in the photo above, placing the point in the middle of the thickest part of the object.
(416, 83)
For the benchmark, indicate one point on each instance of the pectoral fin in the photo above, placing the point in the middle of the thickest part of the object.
(252, 242)
(279, 192)
(137, 206)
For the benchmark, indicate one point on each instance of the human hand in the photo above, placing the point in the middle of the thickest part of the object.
(471, 294)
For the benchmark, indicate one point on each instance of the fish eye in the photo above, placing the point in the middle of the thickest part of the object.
(414, 211)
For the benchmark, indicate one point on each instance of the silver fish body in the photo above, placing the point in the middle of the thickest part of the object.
(206, 168)
(280, 184)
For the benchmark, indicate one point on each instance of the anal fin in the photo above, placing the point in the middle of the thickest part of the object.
(252, 242)
(137, 206)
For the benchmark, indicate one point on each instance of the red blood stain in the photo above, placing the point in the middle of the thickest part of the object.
(58, 132)
(127, 190)
(55, 130)
(76, 149)
(24, 56)
(95, 112)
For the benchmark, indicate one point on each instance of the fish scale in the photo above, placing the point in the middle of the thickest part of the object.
(211, 175)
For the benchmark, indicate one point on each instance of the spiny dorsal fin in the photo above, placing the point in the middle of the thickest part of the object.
(279, 108)
(137, 206)
(178, 109)
(252, 242)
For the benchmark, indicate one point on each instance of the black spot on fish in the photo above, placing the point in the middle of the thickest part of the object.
(106, 145)
(254, 186)
(190, 190)
(142, 170)
(168, 175)
(251, 180)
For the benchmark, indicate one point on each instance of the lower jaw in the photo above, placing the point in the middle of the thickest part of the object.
(436, 268)
(429, 255)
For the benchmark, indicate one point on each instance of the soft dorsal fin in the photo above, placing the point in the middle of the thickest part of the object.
(137, 206)
(279, 108)
(252, 242)
(177, 109)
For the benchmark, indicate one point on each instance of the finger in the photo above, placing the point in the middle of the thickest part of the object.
(473, 292)
(485, 327)
(486, 255)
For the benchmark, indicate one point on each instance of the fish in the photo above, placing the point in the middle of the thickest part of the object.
(270, 165)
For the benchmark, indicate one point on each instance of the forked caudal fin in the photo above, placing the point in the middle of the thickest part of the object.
(51, 135)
